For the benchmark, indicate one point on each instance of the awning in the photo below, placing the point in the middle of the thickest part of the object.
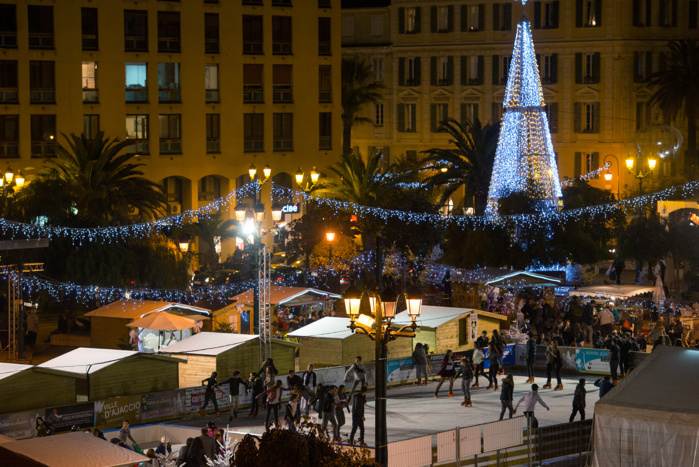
(162, 321)
(612, 291)
(523, 279)
(287, 296)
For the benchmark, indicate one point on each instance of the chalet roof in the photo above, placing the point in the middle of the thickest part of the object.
(208, 343)
(84, 360)
(286, 295)
(330, 327)
(435, 316)
(133, 309)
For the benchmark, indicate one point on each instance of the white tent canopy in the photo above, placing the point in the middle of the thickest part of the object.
(84, 359)
(431, 316)
(331, 327)
(208, 343)
(612, 291)
(652, 416)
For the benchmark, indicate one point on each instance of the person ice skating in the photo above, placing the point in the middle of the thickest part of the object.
(495, 363)
(506, 395)
(420, 363)
(530, 399)
(549, 363)
(327, 406)
(466, 373)
(358, 402)
(447, 371)
(256, 385)
(291, 410)
(614, 361)
(496, 340)
(359, 372)
(210, 394)
(234, 383)
(310, 382)
(274, 401)
(479, 363)
(579, 400)
(558, 364)
(530, 356)
(604, 385)
(341, 403)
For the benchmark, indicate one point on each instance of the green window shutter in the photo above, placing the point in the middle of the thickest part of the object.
(598, 13)
(577, 117)
(578, 165)
(464, 18)
(418, 18)
(481, 16)
(496, 69)
(537, 15)
(595, 117)
(496, 16)
(578, 68)
(433, 19)
(401, 71)
(464, 70)
(401, 118)
(596, 67)
(636, 13)
(462, 115)
(401, 20)
(433, 118)
(648, 14)
(476, 113)
(418, 72)
(554, 68)
(595, 160)
(450, 20)
(433, 70)
(674, 13)
(507, 23)
(578, 13)
(481, 69)
(554, 13)
(450, 70)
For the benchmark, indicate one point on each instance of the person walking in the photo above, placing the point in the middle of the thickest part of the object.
(614, 361)
(530, 356)
(291, 410)
(420, 358)
(495, 362)
(506, 395)
(358, 402)
(234, 383)
(624, 354)
(309, 381)
(447, 371)
(255, 384)
(341, 403)
(530, 399)
(586, 320)
(549, 363)
(499, 344)
(328, 409)
(209, 393)
(558, 364)
(579, 401)
(359, 371)
(466, 372)
(479, 362)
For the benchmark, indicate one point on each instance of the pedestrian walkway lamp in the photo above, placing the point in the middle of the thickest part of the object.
(639, 173)
(378, 327)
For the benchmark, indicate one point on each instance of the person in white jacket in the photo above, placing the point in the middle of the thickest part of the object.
(530, 399)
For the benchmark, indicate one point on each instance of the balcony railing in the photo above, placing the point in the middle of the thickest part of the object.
(9, 95)
(252, 93)
(281, 2)
(41, 40)
(90, 95)
(212, 96)
(324, 3)
(253, 144)
(42, 96)
(140, 147)
(9, 150)
(252, 47)
(211, 46)
(324, 48)
(169, 44)
(252, 2)
(170, 146)
(137, 95)
(444, 82)
(283, 144)
(169, 95)
(282, 94)
(412, 82)
(325, 96)
(8, 40)
(213, 146)
(89, 42)
(325, 142)
(136, 43)
(43, 149)
(475, 81)
(281, 48)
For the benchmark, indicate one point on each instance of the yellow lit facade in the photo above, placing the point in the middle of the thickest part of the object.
(439, 59)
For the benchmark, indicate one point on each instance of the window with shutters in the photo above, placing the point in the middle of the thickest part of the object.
(412, 21)
(137, 130)
(252, 84)
(472, 17)
(588, 13)
(348, 26)
(169, 31)
(253, 132)
(168, 82)
(642, 62)
(409, 71)
(641, 15)
(43, 135)
(548, 68)
(589, 76)
(587, 117)
(281, 84)
(502, 16)
(377, 69)
(213, 133)
(667, 17)
(642, 114)
(211, 33)
(443, 74)
(91, 125)
(42, 82)
(325, 130)
(377, 25)
(501, 69)
(692, 16)
(135, 30)
(209, 188)
(587, 68)
(281, 35)
(378, 114)
(591, 161)
(211, 82)
(472, 70)
(324, 44)
(8, 26)
(88, 25)
(496, 111)
(89, 82)
(170, 133)
(283, 132)
(407, 118)
(552, 116)
(252, 34)
(324, 83)
(442, 19)
(470, 113)
(546, 14)
(438, 114)
(9, 136)
(9, 91)
(40, 26)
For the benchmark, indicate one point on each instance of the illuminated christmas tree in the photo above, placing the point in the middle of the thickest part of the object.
(524, 159)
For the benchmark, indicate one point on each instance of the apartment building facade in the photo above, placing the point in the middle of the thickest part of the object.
(444, 59)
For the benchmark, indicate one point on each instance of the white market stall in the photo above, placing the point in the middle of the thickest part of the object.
(612, 292)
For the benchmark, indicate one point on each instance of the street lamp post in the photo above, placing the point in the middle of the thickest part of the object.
(608, 176)
(330, 237)
(379, 328)
(639, 173)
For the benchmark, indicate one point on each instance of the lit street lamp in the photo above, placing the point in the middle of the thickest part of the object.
(608, 175)
(383, 307)
(313, 179)
(639, 173)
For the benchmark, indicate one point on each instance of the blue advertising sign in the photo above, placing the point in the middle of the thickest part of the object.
(595, 360)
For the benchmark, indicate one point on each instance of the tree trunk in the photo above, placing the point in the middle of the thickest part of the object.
(346, 138)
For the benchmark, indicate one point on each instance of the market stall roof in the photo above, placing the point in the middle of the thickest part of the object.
(523, 279)
(434, 316)
(163, 321)
(77, 449)
(612, 291)
(208, 343)
(331, 327)
(287, 296)
(84, 359)
(133, 309)
(11, 369)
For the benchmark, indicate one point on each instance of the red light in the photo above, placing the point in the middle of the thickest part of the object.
(353, 218)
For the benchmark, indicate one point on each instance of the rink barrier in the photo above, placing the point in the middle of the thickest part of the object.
(582, 360)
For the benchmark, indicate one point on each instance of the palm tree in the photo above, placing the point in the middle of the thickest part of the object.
(101, 180)
(206, 229)
(468, 162)
(676, 90)
(358, 89)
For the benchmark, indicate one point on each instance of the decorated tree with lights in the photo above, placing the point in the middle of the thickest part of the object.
(524, 160)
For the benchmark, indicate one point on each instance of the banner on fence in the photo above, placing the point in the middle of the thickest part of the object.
(110, 413)
(157, 405)
(19, 425)
(64, 418)
(400, 370)
(596, 360)
(194, 398)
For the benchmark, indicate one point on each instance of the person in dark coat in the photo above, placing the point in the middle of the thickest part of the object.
(604, 386)
(495, 364)
(506, 396)
(586, 320)
(184, 450)
(234, 383)
(209, 394)
(579, 400)
(208, 446)
(446, 371)
(466, 372)
(358, 401)
(196, 456)
(614, 360)
(530, 356)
